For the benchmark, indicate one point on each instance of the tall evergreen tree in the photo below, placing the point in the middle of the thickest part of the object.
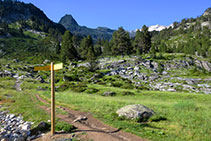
(68, 51)
(146, 39)
(142, 42)
(107, 48)
(87, 49)
(138, 43)
(121, 44)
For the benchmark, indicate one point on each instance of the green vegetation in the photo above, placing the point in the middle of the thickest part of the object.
(68, 51)
(181, 116)
(63, 126)
(25, 103)
(121, 44)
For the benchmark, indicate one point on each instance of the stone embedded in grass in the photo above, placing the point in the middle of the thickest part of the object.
(109, 94)
(135, 112)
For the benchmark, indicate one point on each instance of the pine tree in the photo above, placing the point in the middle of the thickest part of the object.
(153, 52)
(138, 43)
(98, 47)
(121, 44)
(163, 47)
(87, 49)
(142, 42)
(106, 49)
(68, 51)
(146, 39)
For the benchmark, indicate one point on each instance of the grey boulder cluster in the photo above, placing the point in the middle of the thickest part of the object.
(13, 128)
(157, 76)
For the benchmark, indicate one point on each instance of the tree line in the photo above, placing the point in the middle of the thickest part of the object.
(120, 44)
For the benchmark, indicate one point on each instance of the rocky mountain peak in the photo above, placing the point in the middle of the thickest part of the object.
(68, 21)
(207, 11)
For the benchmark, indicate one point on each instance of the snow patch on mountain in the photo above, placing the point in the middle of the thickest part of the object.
(157, 27)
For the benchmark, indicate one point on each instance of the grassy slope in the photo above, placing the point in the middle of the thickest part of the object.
(188, 115)
(21, 102)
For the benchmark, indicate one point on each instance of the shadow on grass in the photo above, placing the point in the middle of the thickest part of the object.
(149, 126)
(94, 130)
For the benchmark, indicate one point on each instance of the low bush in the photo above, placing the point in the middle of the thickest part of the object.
(116, 84)
(65, 86)
(63, 126)
(127, 86)
(73, 77)
(79, 87)
(125, 93)
(142, 88)
(91, 90)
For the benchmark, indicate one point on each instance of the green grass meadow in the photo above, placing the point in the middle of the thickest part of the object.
(187, 115)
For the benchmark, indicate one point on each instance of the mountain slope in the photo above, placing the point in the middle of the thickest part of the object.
(190, 36)
(70, 24)
(28, 16)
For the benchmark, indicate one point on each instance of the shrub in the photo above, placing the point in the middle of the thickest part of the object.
(63, 126)
(142, 88)
(91, 90)
(80, 87)
(127, 86)
(116, 84)
(125, 93)
(65, 86)
(73, 77)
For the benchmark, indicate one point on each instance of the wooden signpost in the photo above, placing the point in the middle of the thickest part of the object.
(51, 68)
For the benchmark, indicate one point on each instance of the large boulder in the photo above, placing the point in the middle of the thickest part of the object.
(136, 111)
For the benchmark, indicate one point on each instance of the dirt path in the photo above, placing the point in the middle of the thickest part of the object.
(94, 129)
(18, 84)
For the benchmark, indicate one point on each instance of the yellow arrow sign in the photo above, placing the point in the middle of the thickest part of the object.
(58, 66)
(48, 68)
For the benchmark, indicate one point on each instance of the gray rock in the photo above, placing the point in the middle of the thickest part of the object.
(87, 64)
(109, 94)
(136, 111)
(39, 78)
(206, 65)
(46, 61)
(121, 61)
(136, 68)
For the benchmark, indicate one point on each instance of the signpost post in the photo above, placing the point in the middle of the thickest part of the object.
(52, 101)
(51, 68)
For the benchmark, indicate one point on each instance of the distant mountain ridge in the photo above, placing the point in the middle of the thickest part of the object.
(70, 24)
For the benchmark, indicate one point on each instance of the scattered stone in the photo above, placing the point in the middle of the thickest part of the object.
(46, 61)
(39, 78)
(80, 118)
(87, 64)
(13, 128)
(109, 94)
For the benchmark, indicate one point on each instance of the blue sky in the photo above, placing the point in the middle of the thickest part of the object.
(131, 14)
